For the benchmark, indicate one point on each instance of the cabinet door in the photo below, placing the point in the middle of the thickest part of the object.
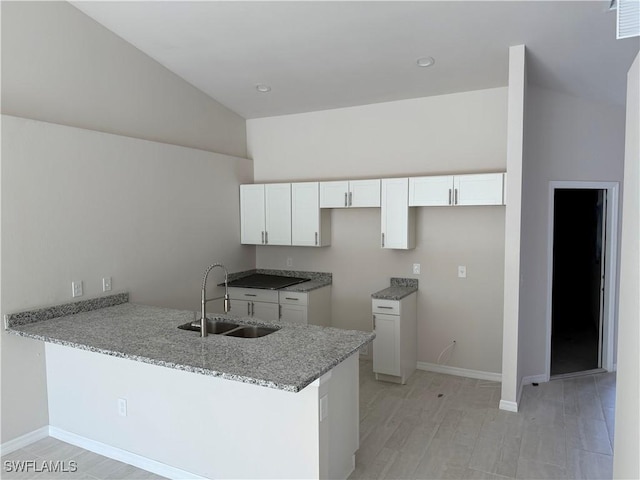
(269, 312)
(334, 194)
(431, 191)
(278, 214)
(364, 193)
(397, 224)
(386, 345)
(240, 307)
(305, 214)
(480, 189)
(293, 314)
(252, 221)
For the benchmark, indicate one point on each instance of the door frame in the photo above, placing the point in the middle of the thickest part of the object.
(611, 262)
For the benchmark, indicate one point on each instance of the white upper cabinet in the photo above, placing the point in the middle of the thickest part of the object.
(252, 221)
(480, 189)
(265, 212)
(431, 191)
(310, 226)
(350, 193)
(397, 220)
(461, 190)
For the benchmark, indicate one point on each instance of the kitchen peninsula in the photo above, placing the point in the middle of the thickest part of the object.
(123, 375)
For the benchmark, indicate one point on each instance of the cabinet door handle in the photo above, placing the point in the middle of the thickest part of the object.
(279, 311)
(250, 295)
(350, 199)
(383, 240)
(316, 238)
(374, 322)
(455, 196)
(248, 309)
(449, 196)
(291, 298)
(266, 238)
(263, 238)
(253, 309)
(345, 199)
(388, 308)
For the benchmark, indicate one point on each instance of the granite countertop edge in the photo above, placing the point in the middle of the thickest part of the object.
(399, 289)
(123, 315)
(294, 388)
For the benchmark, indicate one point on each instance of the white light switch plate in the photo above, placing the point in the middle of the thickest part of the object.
(462, 271)
(416, 269)
(106, 284)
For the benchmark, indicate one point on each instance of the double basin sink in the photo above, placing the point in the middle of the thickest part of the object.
(230, 329)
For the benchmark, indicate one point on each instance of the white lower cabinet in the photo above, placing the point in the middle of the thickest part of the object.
(395, 345)
(255, 302)
(313, 307)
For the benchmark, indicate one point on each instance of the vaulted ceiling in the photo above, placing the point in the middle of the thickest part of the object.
(321, 55)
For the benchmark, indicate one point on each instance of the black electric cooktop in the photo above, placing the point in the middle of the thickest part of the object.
(269, 282)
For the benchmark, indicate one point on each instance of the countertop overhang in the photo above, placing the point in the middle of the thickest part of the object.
(289, 359)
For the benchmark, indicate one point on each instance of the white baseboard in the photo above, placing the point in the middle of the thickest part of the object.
(508, 406)
(24, 440)
(460, 372)
(122, 455)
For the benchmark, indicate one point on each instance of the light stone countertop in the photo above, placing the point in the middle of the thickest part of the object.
(400, 288)
(288, 359)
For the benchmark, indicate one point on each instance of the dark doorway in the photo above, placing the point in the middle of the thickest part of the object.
(578, 273)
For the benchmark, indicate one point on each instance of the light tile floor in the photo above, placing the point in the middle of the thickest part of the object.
(445, 427)
(437, 427)
(78, 463)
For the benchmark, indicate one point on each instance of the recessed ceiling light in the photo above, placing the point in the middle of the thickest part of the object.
(425, 61)
(262, 88)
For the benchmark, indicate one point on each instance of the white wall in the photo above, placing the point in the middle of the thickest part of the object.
(566, 138)
(463, 132)
(81, 205)
(515, 138)
(60, 66)
(626, 463)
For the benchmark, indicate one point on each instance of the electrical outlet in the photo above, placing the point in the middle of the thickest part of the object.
(76, 288)
(122, 407)
(462, 271)
(416, 269)
(289, 262)
(106, 284)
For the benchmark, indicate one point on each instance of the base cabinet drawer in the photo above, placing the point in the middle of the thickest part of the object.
(253, 294)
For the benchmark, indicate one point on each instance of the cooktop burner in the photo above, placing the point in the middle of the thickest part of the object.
(269, 282)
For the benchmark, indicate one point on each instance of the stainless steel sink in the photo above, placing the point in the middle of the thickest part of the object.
(230, 329)
(213, 326)
(251, 332)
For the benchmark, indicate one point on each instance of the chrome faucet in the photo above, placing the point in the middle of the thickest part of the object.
(227, 306)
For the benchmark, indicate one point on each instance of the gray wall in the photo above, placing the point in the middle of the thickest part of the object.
(566, 138)
(464, 132)
(60, 66)
(78, 204)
